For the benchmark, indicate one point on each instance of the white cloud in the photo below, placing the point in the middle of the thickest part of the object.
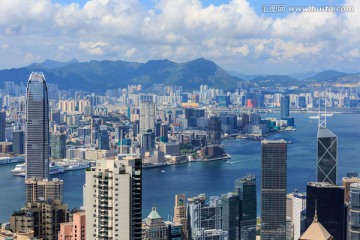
(179, 30)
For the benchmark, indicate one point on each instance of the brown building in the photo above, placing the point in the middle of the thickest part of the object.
(180, 213)
(74, 230)
(316, 231)
(43, 218)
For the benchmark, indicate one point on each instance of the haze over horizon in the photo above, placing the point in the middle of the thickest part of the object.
(235, 34)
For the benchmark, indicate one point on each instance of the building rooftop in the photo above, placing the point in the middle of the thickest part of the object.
(273, 141)
(316, 231)
(325, 133)
(154, 214)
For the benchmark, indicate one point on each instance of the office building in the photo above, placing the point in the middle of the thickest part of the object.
(148, 140)
(147, 116)
(214, 131)
(203, 216)
(284, 107)
(174, 231)
(327, 145)
(74, 230)
(95, 124)
(42, 189)
(295, 204)
(231, 214)
(273, 189)
(180, 216)
(112, 199)
(164, 133)
(246, 189)
(2, 126)
(43, 217)
(154, 227)
(58, 145)
(346, 182)
(328, 199)
(37, 127)
(354, 212)
(18, 142)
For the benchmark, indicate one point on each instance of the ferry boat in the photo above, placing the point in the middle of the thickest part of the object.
(327, 114)
(8, 160)
(20, 169)
(77, 165)
(315, 117)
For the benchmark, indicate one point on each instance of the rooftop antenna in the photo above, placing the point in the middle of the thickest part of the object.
(322, 117)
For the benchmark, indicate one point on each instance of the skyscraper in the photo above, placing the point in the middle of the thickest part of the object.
(246, 189)
(231, 215)
(147, 116)
(37, 127)
(2, 125)
(329, 202)
(273, 189)
(58, 145)
(180, 214)
(18, 142)
(284, 106)
(112, 199)
(326, 156)
(354, 212)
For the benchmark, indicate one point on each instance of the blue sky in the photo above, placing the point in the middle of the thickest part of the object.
(236, 34)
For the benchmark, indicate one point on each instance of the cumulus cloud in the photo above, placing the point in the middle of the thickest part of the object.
(181, 30)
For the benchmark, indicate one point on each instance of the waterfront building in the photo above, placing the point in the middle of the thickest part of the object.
(214, 131)
(180, 216)
(273, 189)
(112, 199)
(2, 126)
(74, 230)
(43, 189)
(231, 215)
(327, 148)
(58, 145)
(147, 116)
(354, 212)
(164, 133)
(18, 142)
(43, 217)
(154, 227)
(148, 140)
(203, 216)
(246, 189)
(284, 107)
(346, 182)
(328, 199)
(37, 127)
(295, 204)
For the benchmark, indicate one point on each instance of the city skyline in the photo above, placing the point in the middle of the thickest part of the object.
(240, 35)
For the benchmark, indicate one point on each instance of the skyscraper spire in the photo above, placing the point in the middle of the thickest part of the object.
(37, 127)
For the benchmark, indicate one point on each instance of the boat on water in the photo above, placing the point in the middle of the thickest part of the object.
(20, 169)
(8, 160)
(314, 117)
(327, 114)
(77, 166)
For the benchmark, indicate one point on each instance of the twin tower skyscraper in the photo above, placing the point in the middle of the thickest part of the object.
(37, 127)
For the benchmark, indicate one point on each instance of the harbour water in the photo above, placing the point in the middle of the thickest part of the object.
(217, 177)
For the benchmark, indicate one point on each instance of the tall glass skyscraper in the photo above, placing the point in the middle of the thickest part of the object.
(273, 189)
(246, 189)
(37, 127)
(284, 107)
(326, 156)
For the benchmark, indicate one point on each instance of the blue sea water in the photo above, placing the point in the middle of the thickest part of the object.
(214, 178)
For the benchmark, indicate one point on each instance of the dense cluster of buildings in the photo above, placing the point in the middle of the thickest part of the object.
(127, 130)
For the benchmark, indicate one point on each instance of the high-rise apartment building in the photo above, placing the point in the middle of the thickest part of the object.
(74, 230)
(354, 212)
(327, 144)
(180, 213)
(37, 127)
(284, 106)
(2, 126)
(112, 199)
(147, 116)
(328, 199)
(42, 189)
(246, 189)
(273, 189)
(58, 145)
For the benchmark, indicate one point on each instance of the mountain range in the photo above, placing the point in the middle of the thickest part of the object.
(103, 75)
